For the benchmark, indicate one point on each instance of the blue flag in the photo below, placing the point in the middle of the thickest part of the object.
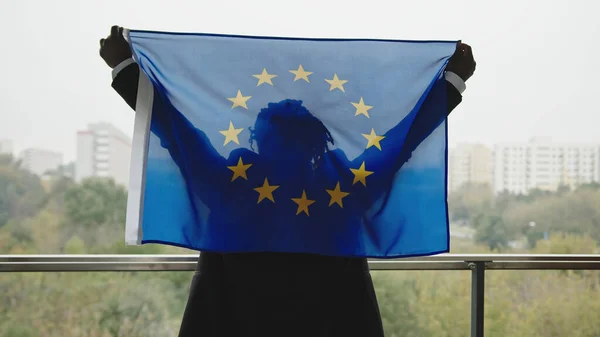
(324, 146)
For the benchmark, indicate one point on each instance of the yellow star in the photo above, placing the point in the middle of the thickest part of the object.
(239, 100)
(266, 191)
(265, 77)
(361, 174)
(303, 203)
(337, 195)
(301, 74)
(239, 170)
(373, 139)
(231, 134)
(336, 83)
(361, 108)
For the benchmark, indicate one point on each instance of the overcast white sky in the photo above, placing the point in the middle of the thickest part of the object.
(537, 61)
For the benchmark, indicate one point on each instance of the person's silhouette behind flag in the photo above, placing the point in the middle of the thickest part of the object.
(292, 154)
(276, 148)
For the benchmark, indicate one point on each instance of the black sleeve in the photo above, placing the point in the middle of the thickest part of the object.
(126, 84)
(425, 124)
(453, 97)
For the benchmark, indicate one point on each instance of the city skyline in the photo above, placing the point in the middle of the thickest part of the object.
(103, 150)
(468, 162)
(519, 167)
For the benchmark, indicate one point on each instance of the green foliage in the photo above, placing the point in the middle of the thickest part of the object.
(20, 331)
(396, 297)
(21, 192)
(95, 210)
(89, 304)
(75, 246)
(469, 201)
(575, 212)
(506, 217)
(491, 231)
(96, 202)
(561, 243)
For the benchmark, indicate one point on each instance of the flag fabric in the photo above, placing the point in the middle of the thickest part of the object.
(261, 144)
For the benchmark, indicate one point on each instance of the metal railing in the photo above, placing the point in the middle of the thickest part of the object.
(478, 264)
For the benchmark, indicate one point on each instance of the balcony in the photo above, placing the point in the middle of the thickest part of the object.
(479, 302)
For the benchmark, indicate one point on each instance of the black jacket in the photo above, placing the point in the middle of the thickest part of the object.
(277, 294)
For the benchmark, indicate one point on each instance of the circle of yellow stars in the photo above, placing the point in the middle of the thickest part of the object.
(265, 192)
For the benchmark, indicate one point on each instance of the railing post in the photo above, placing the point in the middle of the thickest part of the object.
(477, 297)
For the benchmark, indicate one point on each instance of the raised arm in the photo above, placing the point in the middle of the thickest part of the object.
(460, 68)
(189, 147)
(400, 141)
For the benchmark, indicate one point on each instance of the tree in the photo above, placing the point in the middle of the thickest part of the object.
(574, 212)
(20, 330)
(564, 243)
(21, 192)
(396, 296)
(95, 210)
(74, 246)
(491, 230)
(590, 186)
(469, 200)
(58, 189)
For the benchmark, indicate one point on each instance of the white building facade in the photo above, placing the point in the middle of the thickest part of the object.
(6, 146)
(103, 151)
(469, 163)
(542, 164)
(40, 161)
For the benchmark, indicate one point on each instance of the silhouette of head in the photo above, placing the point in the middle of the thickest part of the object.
(287, 130)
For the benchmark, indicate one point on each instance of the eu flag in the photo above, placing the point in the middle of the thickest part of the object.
(260, 144)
